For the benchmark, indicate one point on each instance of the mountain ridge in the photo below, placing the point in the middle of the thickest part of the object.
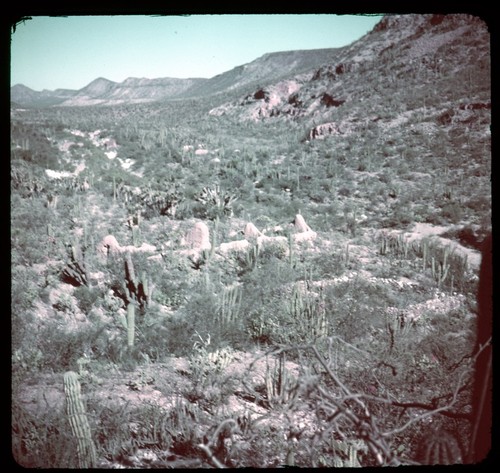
(101, 91)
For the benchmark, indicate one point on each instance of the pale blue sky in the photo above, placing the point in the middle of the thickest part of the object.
(70, 52)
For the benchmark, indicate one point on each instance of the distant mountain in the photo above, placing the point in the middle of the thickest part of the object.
(101, 91)
(24, 96)
(132, 90)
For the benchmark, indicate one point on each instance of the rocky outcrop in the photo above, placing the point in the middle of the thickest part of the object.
(109, 245)
(233, 247)
(304, 231)
(329, 101)
(322, 131)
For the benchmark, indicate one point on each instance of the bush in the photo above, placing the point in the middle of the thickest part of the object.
(452, 212)
(42, 441)
(86, 297)
(26, 288)
(62, 348)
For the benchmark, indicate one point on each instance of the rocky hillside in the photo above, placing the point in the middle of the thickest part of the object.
(386, 71)
(264, 70)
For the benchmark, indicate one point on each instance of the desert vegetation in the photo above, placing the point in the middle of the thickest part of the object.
(192, 289)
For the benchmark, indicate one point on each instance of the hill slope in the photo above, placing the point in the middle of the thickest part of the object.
(395, 61)
(266, 69)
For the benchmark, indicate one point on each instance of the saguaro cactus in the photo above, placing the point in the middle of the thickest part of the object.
(78, 421)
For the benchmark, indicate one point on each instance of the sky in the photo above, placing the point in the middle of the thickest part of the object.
(70, 52)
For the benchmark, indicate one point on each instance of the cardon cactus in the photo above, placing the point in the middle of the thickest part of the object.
(442, 448)
(137, 293)
(78, 421)
(137, 289)
(130, 324)
(75, 272)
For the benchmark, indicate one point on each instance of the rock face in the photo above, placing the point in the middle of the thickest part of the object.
(198, 237)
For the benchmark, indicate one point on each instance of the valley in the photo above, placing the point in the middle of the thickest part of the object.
(270, 271)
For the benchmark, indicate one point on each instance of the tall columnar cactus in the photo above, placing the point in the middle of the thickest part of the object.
(229, 307)
(135, 235)
(130, 324)
(137, 289)
(346, 453)
(78, 421)
(252, 257)
(76, 271)
(442, 448)
(279, 383)
(425, 251)
(440, 269)
(291, 253)
(308, 314)
(137, 293)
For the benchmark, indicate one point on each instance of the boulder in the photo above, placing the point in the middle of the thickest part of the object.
(198, 237)
(309, 235)
(109, 245)
(304, 232)
(300, 224)
(251, 231)
(234, 247)
(144, 248)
